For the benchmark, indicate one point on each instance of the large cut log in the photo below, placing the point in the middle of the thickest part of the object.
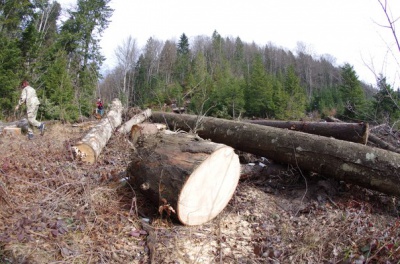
(187, 177)
(137, 119)
(366, 166)
(91, 145)
(355, 132)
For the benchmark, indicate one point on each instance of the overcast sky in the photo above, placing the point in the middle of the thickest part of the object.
(346, 29)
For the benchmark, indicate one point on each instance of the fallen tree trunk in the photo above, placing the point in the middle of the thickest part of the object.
(371, 136)
(187, 177)
(354, 132)
(23, 124)
(383, 144)
(369, 167)
(137, 119)
(91, 145)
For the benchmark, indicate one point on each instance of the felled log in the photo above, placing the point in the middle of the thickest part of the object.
(139, 118)
(22, 124)
(355, 132)
(371, 136)
(188, 178)
(91, 145)
(383, 144)
(143, 130)
(366, 166)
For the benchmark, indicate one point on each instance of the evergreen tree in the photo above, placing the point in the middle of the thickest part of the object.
(238, 61)
(296, 103)
(80, 38)
(352, 93)
(10, 72)
(183, 60)
(387, 102)
(258, 93)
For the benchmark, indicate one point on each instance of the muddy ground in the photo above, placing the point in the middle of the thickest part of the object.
(55, 209)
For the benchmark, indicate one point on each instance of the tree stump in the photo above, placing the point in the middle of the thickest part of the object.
(189, 178)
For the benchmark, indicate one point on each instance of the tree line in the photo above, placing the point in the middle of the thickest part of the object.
(229, 78)
(58, 52)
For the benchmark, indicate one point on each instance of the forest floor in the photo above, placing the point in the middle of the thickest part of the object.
(56, 210)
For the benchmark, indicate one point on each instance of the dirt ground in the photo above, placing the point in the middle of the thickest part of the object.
(56, 210)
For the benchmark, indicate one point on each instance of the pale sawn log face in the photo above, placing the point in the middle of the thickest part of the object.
(209, 188)
(196, 177)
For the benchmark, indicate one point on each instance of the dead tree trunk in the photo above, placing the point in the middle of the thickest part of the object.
(139, 118)
(91, 145)
(187, 177)
(355, 132)
(373, 168)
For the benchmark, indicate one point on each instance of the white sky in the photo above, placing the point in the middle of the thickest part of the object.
(346, 29)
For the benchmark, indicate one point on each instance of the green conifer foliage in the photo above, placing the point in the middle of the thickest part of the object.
(352, 94)
(258, 92)
(296, 95)
(387, 102)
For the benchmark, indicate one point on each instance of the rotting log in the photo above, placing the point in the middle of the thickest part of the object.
(188, 178)
(137, 119)
(355, 132)
(366, 166)
(91, 145)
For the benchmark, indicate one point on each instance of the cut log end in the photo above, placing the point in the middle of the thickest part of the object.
(209, 188)
(84, 152)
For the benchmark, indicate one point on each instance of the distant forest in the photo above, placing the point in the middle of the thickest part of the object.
(208, 75)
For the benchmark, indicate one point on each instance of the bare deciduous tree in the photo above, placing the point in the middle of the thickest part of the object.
(127, 55)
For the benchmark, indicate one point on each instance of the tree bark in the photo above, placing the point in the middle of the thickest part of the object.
(354, 132)
(369, 167)
(371, 137)
(187, 177)
(91, 145)
(383, 144)
(139, 118)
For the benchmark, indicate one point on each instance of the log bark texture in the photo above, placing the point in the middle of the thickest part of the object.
(383, 144)
(354, 132)
(369, 167)
(91, 145)
(187, 177)
(137, 119)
